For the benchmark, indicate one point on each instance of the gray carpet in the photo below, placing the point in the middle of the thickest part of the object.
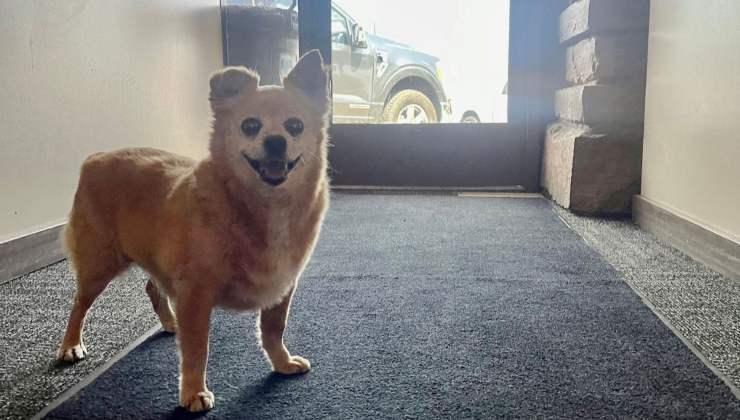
(35, 309)
(417, 306)
(699, 303)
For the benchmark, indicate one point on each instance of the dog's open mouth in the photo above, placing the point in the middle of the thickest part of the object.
(271, 170)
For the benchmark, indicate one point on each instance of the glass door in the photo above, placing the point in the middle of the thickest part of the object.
(434, 94)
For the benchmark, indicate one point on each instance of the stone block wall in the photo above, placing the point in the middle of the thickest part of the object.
(592, 154)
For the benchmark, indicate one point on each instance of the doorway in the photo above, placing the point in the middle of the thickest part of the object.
(423, 145)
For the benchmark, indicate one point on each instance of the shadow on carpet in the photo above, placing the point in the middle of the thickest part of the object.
(418, 306)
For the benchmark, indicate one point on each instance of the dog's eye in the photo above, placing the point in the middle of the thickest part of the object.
(251, 126)
(294, 126)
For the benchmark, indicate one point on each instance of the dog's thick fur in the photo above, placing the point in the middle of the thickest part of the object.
(214, 232)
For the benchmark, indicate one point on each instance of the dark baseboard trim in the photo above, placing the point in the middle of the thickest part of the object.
(713, 250)
(29, 253)
(370, 189)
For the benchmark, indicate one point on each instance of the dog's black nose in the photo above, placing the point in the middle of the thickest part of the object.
(275, 146)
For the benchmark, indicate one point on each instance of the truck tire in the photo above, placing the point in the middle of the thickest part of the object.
(409, 107)
(470, 117)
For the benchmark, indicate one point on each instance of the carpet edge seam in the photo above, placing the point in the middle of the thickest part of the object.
(97, 372)
(690, 345)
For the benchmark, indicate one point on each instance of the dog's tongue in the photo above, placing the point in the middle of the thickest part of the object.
(275, 169)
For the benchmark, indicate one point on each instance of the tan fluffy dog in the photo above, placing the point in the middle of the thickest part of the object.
(234, 230)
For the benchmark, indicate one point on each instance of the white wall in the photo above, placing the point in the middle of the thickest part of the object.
(691, 161)
(80, 76)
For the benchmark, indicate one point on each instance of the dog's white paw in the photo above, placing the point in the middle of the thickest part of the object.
(72, 354)
(293, 366)
(202, 401)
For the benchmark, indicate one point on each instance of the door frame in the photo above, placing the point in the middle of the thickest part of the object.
(492, 156)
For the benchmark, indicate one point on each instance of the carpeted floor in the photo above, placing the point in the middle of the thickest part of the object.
(419, 306)
(35, 309)
(699, 303)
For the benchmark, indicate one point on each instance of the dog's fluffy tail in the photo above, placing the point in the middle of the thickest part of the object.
(68, 234)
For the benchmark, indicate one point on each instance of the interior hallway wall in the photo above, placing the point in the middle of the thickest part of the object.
(691, 156)
(79, 76)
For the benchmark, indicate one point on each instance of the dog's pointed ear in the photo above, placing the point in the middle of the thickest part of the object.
(310, 77)
(231, 82)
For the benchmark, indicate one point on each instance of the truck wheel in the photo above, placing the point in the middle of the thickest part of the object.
(409, 107)
(470, 117)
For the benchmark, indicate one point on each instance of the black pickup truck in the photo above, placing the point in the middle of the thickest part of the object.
(375, 79)
(379, 80)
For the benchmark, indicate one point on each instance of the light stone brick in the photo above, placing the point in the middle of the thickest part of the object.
(606, 59)
(597, 16)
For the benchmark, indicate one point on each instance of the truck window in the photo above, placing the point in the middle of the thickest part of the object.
(339, 29)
